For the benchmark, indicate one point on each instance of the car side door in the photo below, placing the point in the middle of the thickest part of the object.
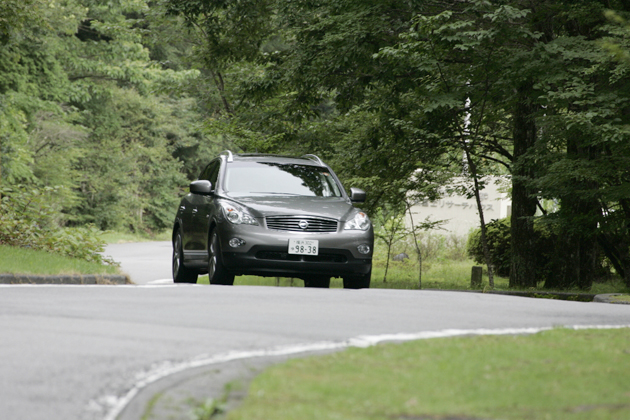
(202, 208)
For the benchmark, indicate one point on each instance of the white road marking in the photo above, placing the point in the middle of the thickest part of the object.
(162, 281)
(150, 285)
(118, 404)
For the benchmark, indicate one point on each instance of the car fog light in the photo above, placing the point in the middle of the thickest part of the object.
(236, 242)
(363, 249)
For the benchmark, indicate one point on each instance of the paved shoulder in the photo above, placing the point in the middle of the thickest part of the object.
(143, 261)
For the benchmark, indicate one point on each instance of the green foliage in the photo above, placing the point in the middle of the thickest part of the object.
(131, 179)
(391, 94)
(550, 253)
(28, 220)
(14, 14)
(442, 247)
(546, 242)
(15, 158)
(499, 246)
(234, 31)
(84, 108)
(434, 247)
(389, 229)
(414, 88)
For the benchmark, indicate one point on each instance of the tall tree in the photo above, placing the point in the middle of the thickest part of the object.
(467, 63)
(585, 131)
(63, 72)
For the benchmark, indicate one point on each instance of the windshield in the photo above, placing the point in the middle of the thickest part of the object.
(263, 178)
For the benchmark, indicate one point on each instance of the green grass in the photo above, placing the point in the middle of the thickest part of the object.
(621, 299)
(559, 374)
(437, 274)
(453, 275)
(28, 261)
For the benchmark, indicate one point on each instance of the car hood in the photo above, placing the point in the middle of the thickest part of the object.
(329, 207)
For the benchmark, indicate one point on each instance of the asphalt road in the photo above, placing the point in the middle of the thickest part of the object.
(72, 352)
(144, 262)
(83, 352)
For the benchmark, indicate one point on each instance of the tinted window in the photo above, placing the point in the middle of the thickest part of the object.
(211, 172)
(244, 178)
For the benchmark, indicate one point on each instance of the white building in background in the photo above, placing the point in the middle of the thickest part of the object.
(460, 213)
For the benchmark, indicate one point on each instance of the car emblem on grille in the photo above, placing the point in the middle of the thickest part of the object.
(303, 224)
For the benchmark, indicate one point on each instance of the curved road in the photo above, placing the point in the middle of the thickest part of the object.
(144, 262)
(77, 352)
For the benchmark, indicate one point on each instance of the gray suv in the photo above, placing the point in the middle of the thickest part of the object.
(268, 215)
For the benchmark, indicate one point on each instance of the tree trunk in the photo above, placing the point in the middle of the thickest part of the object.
(625, 261)
(415, 241)
(612, 252)
(523, 270)
(220, 85)
(575, 260)
(624, 243)
(484, 238)
(389, 253)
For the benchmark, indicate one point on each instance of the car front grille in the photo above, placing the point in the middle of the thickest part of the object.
(292, 224)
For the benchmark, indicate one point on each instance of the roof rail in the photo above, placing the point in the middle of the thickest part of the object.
(230, 156)
(314, 158)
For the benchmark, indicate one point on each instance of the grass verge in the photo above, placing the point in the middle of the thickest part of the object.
(621, 299)
(559, 374)
(27, 261)
(443, 275)
(453, 275)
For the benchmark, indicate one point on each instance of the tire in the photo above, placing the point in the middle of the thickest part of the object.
(317, 281)
(361, 281)
(181, 274)
(217, 274)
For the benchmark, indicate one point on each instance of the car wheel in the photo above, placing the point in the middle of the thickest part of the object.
(361, 281)
(217, 274)
(317, 281)
(181, 274)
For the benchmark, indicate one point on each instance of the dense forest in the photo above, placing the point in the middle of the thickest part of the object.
(108, 110)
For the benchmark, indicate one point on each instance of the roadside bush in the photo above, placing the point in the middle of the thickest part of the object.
(29, 220)
(499, 245)
(549, 258)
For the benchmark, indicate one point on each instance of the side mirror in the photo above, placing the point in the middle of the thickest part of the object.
(203, 187)
(357, 195)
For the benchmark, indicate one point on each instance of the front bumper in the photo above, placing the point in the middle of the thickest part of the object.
(265, 253)
(276, 262)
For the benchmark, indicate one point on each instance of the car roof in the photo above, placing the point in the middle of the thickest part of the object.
(310, 160)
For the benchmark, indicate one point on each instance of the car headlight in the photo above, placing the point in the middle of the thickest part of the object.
(237, 215)
(360, 221)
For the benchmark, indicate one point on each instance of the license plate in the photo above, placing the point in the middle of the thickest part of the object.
(303, 247)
